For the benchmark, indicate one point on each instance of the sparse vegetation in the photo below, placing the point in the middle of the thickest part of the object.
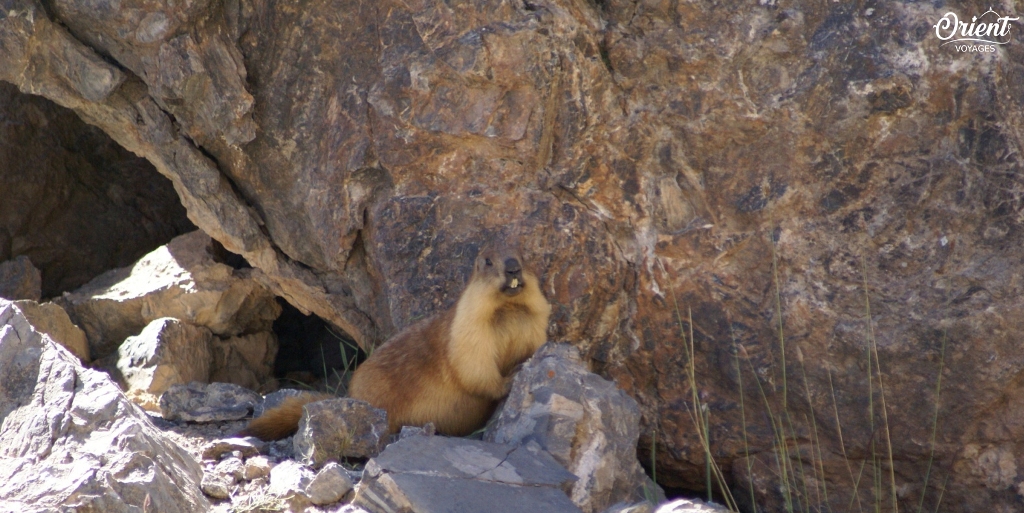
(350, 358)
(700, 413)
(258, 503)
(935, 430)
(649, 494)
(803, 488)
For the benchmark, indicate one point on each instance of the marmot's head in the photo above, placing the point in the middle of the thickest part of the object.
(501, 267)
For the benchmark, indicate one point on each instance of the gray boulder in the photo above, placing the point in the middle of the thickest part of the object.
(289, 479)
(168, 352)
(71, 441)
(199, 402)
(220, 478)
(336, 428)
(433, 473)
(584, 421)
(329, 485)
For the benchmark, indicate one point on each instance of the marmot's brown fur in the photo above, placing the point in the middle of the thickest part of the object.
(283, 419)
(449, 369)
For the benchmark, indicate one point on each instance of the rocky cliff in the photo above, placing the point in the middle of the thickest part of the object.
(775, 224)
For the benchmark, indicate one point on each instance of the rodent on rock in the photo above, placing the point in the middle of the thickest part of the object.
(449, 369)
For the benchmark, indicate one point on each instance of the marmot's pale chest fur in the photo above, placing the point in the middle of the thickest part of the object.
(449, 369)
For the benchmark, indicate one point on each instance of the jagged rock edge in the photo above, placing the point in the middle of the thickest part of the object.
(277, 269)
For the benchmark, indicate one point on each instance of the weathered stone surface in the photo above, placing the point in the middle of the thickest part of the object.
(337, 428)
(246, 360)
(144, 400)
(199, 402)
(690, 506)
(52, 320)
(173, 48)
(183, 280)
(245, 447)
(640, 507)
(219, 479)
(428, 429)
(431, 473)
(167, 352)
(19, 279)
(75, 202)
(584, 421)
(216, 485)
(71, 441)
(256, 467)
(797, 184)
(330, 485)
(290, 478)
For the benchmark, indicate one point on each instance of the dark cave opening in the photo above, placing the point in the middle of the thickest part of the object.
(77, 204)
(71, 199)
(312, 353)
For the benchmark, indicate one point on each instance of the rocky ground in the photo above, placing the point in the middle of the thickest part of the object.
(147, 424)
(255, 492)
(194, 438)
(730, 204)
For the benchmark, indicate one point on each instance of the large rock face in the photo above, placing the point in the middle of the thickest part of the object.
(825, 196)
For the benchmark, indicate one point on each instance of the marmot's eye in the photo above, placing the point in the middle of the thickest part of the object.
(487, 261)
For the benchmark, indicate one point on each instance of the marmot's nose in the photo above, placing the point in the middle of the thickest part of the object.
(512, 266)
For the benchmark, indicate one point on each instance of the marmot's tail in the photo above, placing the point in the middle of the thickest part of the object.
(281, 420)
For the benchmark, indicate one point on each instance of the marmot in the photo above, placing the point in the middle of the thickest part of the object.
(450, 369)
